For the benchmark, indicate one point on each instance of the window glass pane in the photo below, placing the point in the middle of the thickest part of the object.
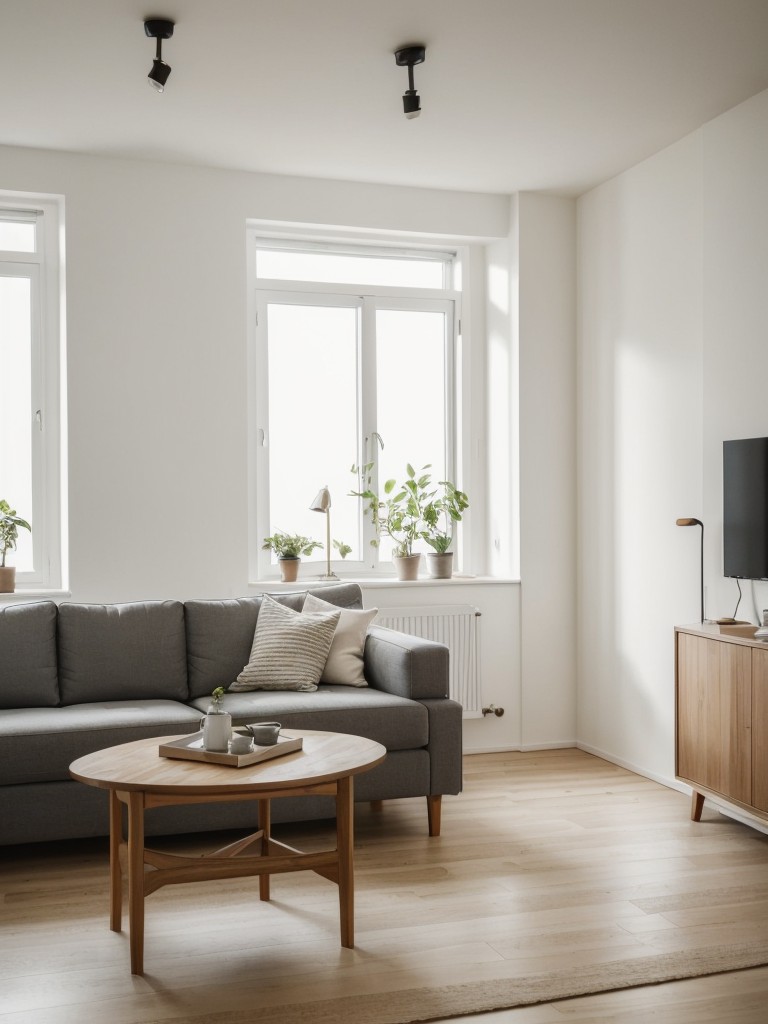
(17, 236)
(313, 421)
(411, 374)
(16, 408)
(340, 268)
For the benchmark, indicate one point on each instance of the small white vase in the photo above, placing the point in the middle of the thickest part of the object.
(217, 731)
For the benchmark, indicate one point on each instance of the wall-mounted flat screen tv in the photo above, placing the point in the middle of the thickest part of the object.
(745, 508)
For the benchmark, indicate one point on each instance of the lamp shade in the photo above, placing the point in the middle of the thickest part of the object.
(322, 502)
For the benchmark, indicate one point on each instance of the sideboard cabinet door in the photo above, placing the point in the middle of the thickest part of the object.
(760, 729)
(714, 710)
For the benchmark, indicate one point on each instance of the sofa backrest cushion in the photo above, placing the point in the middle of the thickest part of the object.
(219, 638)
(122, 652)
(220, 632)
(28, 676)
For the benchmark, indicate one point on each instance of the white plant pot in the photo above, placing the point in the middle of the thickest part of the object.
(407, 566)
(289, 569)
(7, 579)
(440, 564)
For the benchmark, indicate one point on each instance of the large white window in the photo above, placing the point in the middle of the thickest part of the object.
(352, 347)
(31, 408)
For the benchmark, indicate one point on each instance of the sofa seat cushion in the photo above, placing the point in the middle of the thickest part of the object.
(134, 651)
(397, 723)
(28, 677)
(39, 744)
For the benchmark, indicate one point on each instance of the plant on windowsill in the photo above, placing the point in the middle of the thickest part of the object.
(9, 532)
(439, 516)
(289, 547)
(342, 548)
(399, 515)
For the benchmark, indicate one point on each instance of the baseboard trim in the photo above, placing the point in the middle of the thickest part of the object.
(681, 787)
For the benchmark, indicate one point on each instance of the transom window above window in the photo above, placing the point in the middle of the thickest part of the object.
(395, 270)
(354, 363)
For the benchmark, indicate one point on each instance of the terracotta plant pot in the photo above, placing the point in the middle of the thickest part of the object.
(7, 579)
(440, 564)
(289, 569)
(407, 566)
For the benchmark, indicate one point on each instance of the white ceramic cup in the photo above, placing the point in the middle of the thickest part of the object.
(240, 744)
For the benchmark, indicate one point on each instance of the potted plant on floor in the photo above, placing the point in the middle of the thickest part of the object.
(289, 547)
(9, 532)
(439, 516)
(399, 515)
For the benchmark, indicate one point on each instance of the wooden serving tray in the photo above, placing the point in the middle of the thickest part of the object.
(190, 748)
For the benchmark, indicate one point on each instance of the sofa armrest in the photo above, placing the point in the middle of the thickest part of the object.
(405, 665)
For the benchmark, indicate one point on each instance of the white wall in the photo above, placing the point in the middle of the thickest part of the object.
(156, 292)
(156, 370)
(546, 344)
(673, 261)
(735, 325)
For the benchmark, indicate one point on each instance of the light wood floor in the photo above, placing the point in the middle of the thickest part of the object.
(529, 847)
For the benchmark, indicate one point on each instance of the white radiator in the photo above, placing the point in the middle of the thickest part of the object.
(456, 626)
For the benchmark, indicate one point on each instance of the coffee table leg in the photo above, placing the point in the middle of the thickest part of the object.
(345, 841)
(265, 824)
(115, 872)
(136, 880)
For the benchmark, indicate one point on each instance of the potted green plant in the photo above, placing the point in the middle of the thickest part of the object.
(9, 532)
(289, 547)
(342, 548)
(399, 515)
(439, 517)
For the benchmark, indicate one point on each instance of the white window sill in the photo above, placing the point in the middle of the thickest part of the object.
(382, 582)
(19, 596)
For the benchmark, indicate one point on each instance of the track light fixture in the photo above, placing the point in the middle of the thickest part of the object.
(407, 56)
(159, 29)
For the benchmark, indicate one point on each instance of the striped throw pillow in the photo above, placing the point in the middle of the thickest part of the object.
(289, 649)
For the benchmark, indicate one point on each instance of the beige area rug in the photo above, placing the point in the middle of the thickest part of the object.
(425, 1004)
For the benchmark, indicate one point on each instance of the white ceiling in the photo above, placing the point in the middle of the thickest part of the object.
(516, 94)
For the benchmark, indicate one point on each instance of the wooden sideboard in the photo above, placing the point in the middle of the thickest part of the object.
(721, 720)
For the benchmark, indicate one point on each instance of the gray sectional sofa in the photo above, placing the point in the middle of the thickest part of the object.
(75, 678)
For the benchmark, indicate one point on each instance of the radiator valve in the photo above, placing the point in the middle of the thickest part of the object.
(493, 710)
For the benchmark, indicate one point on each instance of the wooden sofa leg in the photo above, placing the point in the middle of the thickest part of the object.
(434, 807)
(377, 806)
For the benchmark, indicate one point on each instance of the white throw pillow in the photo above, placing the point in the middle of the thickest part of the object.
(289, 649)
(345, 660)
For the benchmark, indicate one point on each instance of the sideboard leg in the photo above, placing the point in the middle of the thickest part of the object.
(434, 808)
(697, 805)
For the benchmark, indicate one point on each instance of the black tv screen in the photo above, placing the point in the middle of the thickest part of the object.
(745, 508)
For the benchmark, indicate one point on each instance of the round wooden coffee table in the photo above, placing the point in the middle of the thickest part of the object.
(137, 776)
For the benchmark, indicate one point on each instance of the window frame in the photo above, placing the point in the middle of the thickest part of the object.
(367, 299)
(44, 268)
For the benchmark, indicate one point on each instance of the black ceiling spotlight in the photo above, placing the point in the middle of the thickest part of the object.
(159, 29)
(407, 56)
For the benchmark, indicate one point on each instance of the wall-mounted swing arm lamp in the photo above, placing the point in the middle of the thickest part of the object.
(159, 29)
(407, 56)
(697, 522)
(322, 503)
